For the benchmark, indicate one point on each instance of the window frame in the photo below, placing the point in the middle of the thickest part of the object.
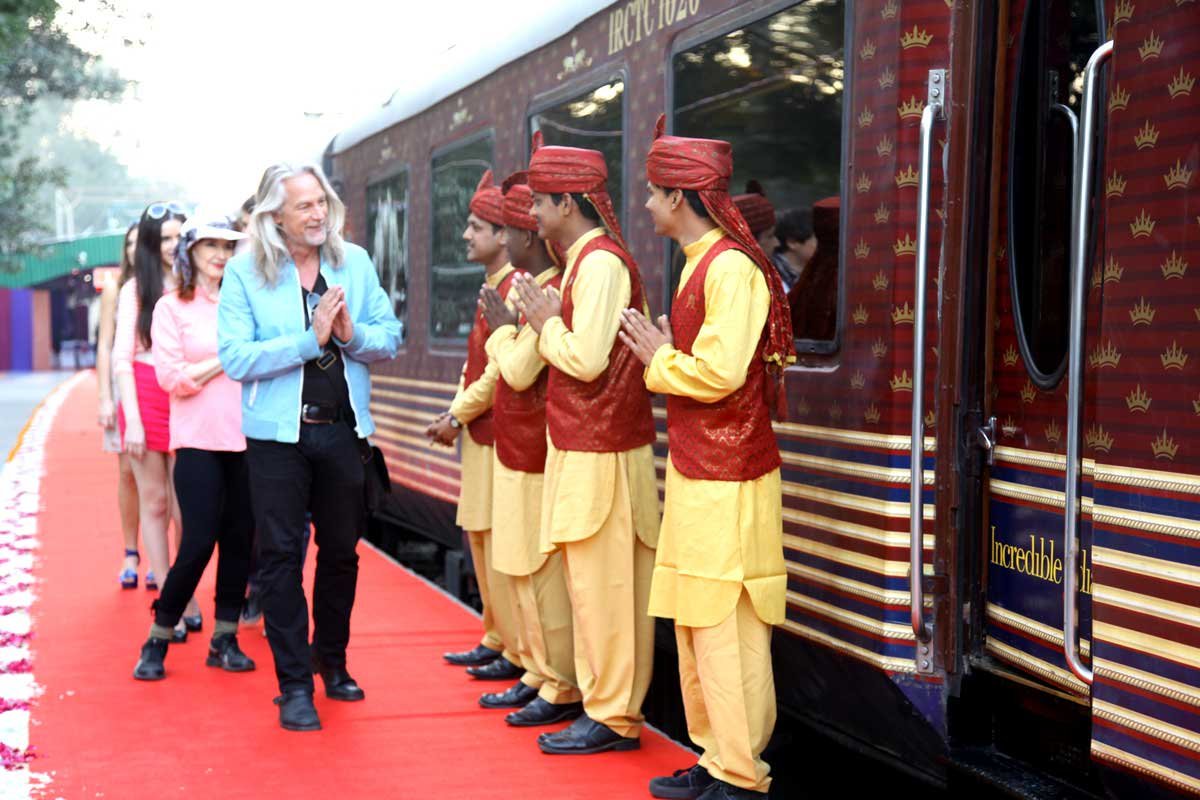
(725, 23)
(455, 344)
(393, 171)
(589, 82)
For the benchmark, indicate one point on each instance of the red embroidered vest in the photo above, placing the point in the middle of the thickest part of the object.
(610, 414)
(521, 418)
(481, 428)
(732, 439)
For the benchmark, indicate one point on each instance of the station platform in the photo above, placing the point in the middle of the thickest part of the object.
(74, 723)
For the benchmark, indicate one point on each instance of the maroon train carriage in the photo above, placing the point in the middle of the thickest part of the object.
(958, 178)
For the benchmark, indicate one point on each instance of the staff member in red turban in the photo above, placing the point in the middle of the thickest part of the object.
(759, 214)
(600, 503)
(495, 657)
(720, 570)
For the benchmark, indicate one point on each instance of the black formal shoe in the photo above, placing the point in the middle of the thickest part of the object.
(515, 696)
(686, 784)
(472, 658)
(540, 712)
(251, 608)
(150, 663)
(720, 790)
(193, 622)
(223, 652)
(499, 670)
(584, 737)
(296, 711)
(180, 633)
(338, 683)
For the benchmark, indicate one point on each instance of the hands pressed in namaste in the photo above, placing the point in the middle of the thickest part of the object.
(495, 310)
(536, 304)
(642, 337)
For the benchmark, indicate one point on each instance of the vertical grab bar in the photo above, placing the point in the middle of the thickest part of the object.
(916, 551)
(1080, 218)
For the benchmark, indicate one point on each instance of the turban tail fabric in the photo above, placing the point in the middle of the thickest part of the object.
(518, 212)
(488, 202)
(705, 166)
(555, 170)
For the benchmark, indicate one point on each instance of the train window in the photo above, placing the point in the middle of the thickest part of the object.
(387, 240)
(774, 88)
(454, 284)
(1056, 40)
(592, 119)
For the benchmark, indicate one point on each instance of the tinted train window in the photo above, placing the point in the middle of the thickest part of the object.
(774, 88)
(387, 240)
(1057, 38)
(454, 288)
(592, 120)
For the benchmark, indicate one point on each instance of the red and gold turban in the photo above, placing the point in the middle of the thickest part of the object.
(705, 166)
(518, 210)
(756, 208)
(488, 202)
(555, 170)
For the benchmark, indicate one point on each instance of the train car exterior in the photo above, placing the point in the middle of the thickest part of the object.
(948, 133)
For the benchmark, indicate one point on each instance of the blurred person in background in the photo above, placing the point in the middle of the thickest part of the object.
(797, 244)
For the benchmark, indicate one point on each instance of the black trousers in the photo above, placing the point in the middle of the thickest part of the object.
(321, 474)
(214, 501)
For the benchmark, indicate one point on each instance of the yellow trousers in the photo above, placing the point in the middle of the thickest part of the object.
(608, 579)
(546, 631)
(729, 694)
(500, 626)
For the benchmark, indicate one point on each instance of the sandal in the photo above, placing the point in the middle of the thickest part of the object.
(129, 577)
(151, 581)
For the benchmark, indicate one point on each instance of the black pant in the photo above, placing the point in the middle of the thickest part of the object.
(323, 474)
(214, 500)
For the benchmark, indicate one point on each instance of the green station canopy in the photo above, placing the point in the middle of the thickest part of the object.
(51, 261)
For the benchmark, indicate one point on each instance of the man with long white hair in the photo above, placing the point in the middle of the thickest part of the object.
(301, 315)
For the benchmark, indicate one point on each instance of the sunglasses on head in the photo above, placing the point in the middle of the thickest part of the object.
(160, 210)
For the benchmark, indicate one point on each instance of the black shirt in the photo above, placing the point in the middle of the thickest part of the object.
(327, 386)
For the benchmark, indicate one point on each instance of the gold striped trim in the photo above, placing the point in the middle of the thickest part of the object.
(857, 588)
(400, 412)
(1151, 645)
(431, 402)
(387, 422)
(1145, 604)
(1150, 726)
(1034, 628)
(854, 469)
(415, 383)
(1153, 523)
(1037, 495)
(416, 448)
(1145, 565)
(882, 566)
(1148, 682)
(888, 630)
(888, 663)
(851, 437)
(1159, 480)
(1043, 669)
(1145, 767)
(854, 502)
(862, 532)
(1055, 462)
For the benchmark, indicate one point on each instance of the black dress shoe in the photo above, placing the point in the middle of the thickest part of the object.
(720, 790)
(684, 784)
(472, 658)
(193, 623)
(223, 652)
(540, 712)
(296, 711)
(150, 663)
(584, 737)
(338, 683)
(499, 670)
(515, 696)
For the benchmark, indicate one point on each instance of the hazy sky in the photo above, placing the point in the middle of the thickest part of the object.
(224, 87)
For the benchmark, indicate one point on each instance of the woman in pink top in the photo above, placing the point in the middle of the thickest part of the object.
(206, 435)
(144, 405)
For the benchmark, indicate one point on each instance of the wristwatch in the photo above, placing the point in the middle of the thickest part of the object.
(454, 423)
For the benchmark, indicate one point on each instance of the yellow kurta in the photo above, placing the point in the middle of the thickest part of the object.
(475, 493)
(718, 536)
(580, 487)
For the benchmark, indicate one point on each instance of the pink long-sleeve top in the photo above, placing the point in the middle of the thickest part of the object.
(208, 416)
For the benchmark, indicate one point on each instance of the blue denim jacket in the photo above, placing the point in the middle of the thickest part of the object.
(262, 341)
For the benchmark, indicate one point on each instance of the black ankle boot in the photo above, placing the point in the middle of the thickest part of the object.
(150, 663)
(223, 652)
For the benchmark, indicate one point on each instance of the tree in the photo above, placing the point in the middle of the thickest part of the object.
(37, 60)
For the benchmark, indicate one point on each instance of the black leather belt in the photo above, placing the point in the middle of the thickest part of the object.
(319, 413)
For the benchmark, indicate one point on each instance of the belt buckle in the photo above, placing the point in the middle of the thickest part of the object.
(305, 418)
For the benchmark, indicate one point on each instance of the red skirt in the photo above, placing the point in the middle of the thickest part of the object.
(154, 406)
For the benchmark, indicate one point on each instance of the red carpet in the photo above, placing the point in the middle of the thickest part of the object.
(204, 733)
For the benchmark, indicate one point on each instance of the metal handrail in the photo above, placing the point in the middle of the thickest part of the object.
(916, 550)
(1081, 197)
